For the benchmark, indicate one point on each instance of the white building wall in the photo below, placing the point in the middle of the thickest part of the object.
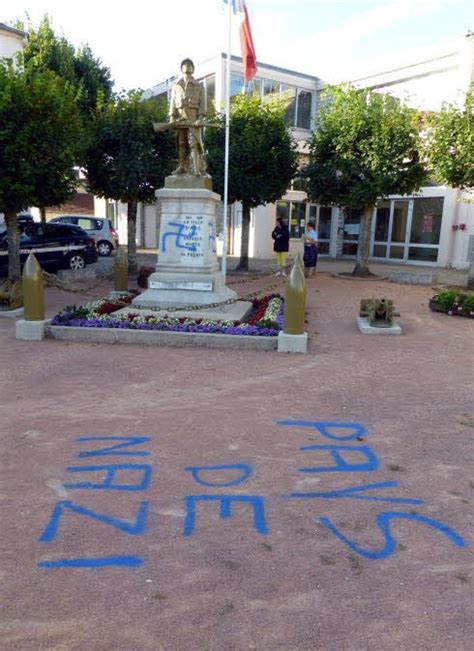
(151, 227)
(11, 43)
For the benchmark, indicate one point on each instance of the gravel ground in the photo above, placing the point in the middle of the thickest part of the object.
(291, 568)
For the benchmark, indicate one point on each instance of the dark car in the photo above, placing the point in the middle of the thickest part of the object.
(56, 246)
(22, 219)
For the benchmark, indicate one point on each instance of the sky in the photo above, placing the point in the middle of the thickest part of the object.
(143, 42)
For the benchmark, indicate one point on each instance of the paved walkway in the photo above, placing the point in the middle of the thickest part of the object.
(230, 518)
(445, 276)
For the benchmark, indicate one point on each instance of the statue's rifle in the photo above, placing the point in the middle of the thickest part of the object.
(164, 126)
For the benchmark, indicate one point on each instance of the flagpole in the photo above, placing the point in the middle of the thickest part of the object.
(226, 150)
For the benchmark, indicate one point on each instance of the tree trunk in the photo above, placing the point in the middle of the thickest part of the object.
(244, 243)
(13, 241)
(362, 263)
(132, 236)
(43, 214)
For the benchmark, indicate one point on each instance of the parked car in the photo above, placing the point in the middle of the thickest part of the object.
(56, 246)
(101, 229)
(22, 219)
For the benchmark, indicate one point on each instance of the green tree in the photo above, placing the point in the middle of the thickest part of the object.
(125, 159)
(262, 159)
(38, 145)
(366, 146)
(450, 139)
(45, 50)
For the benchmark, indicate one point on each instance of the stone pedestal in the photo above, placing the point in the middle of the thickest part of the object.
(366, 329)
(292, 343)
(187, 272)
(30, 330)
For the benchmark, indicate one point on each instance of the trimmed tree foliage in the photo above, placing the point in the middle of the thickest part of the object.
(44, 50)
(366, 146)
(38, 146)
(451, 144)
(125, 159)
(262, 158)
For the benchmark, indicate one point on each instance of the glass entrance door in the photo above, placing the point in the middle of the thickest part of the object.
(407, 230)
(322, 217)
(390, 232)
(351, 229)
(398, 249)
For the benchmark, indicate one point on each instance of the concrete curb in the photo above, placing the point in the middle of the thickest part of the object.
(12, 314)
(161, 338)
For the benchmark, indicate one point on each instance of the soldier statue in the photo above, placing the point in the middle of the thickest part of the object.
(186, 114)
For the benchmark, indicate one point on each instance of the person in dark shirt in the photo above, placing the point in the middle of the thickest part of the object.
(281, 245)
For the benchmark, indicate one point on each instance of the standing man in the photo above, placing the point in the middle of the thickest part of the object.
(281, 245)
(188, 106)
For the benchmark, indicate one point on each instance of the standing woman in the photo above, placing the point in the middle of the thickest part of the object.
(281, 245)
(310, 256)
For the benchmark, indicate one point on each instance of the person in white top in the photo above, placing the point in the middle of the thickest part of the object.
(310, 255)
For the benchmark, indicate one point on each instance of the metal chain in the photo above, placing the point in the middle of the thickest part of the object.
(50, 280)
(229, 301)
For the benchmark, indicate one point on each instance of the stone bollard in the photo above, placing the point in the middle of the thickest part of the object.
(294, 339)
(121, 270)
(31, 328)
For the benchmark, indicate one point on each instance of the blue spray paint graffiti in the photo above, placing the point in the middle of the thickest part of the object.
(110, 561)
(111, 471)
(323, 428)
(353, 493)
(140, 474)
(384, 518)
(132, 477)
(181, 235)
(132, 528)
(256, 502)
(225, 511)
(372, 462)
(128, 441)
(196, 470)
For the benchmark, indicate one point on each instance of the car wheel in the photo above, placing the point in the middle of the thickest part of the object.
(76, 261)
(104, 248)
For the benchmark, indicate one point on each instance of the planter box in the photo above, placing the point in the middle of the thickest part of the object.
(435, 307)
(161, 338)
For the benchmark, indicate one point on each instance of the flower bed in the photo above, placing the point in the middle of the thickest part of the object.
(453, 302)
(265, 320)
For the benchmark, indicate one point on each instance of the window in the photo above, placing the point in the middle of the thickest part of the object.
(382, 222)
(298, 184)
(426, 221)
(236, 84)
(89, 224)
(324, 225)
(288, 96)
(210, 91)
(253, 87)
(303, 119)
(283, 211)
(298, 219)
(55, 231)
(350, 239)
(271, 89)
(400, 216)
(293, 214)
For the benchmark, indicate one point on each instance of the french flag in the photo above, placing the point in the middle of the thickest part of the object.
(246, 41)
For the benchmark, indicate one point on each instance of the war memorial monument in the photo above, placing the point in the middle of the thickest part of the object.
(187, 271)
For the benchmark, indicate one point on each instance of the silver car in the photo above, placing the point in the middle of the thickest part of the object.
(101, 229)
